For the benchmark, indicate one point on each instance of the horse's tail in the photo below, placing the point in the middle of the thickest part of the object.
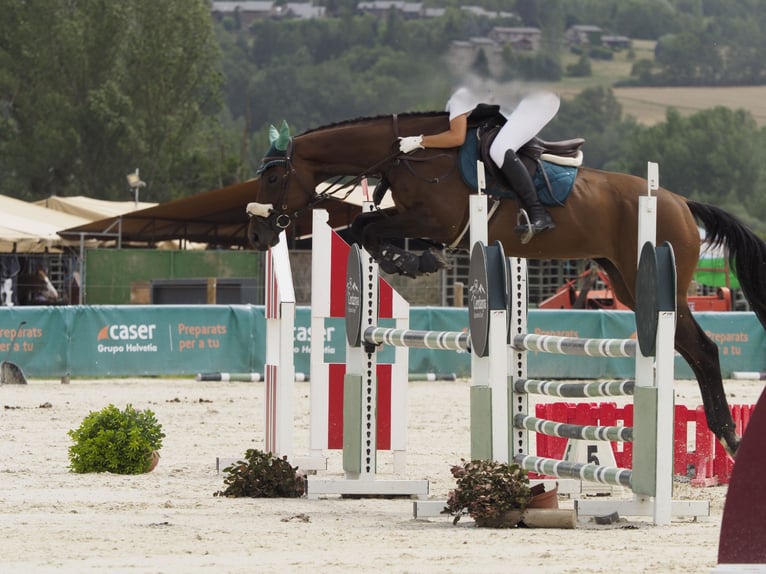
(746, 251)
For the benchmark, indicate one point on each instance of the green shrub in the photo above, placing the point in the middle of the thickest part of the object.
(486, 490)
(262, 475)
(112, 440)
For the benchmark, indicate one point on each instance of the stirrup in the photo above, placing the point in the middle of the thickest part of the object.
(524, 227)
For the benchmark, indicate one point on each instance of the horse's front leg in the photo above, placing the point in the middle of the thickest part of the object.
(359, 233)
(372, 230)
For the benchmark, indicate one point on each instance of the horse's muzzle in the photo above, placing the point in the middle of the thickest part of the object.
(261, 233)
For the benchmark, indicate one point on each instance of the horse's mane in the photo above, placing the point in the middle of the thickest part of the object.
(386, 117)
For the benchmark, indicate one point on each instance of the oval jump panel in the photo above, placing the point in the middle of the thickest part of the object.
(354, 297)
(646, 300)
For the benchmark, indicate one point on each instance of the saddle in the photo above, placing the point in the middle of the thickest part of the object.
(487, 120)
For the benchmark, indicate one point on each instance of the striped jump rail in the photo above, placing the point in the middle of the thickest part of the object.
(575, 346)
(579, 432)
(442, 340)
(583, 471)
(574, 390)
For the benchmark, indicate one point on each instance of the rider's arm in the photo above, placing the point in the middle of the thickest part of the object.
(453, 137)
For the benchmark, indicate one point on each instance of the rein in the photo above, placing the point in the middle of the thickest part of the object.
(408, 160)
(283, 219)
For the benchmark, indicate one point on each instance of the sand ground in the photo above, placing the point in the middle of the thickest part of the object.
(53, 520)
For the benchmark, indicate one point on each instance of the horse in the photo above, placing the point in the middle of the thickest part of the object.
(598, 221)
(35, 288)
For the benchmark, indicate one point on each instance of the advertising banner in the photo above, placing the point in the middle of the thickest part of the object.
(140, 340)
(133, 340)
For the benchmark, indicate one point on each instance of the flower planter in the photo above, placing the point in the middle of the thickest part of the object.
(155, 461)
(548, 499)
(508, 519)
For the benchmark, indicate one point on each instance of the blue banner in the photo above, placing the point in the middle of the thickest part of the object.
(82, 341)
(133, 340)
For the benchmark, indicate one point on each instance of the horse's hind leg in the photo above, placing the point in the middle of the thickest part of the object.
(701, 353)
(617, 283)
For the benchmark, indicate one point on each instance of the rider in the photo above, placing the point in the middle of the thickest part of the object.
(524, 123)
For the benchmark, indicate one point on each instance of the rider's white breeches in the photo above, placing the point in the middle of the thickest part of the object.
(525, 122)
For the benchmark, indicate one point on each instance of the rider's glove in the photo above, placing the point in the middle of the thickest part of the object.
(410, 143)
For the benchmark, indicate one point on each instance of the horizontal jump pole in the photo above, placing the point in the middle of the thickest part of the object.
(243, 377)
(579, 432)
(575, 346)
(574, 390)
(432, 377)
(563, 469)
(442, 340)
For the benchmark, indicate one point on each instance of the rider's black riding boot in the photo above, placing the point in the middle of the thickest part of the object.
(518, 177)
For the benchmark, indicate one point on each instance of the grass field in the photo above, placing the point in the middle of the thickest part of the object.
(649, 105)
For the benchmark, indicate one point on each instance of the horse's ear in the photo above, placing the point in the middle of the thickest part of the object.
(273, 134)
(284, 137)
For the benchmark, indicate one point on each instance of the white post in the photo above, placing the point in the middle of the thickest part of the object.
(498, 383)
(319, 383)
(517, 360)
(279, 367)
(479, 232)
(399, 386)
(658, 372)
(359, 361)
(663, 499)
(647, 231)
(491, 371)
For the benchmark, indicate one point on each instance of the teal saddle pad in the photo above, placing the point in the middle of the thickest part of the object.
(561, 177)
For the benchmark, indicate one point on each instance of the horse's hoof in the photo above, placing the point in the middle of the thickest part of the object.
(431, 261)
(399, 262)
(731, 445)
(388, 267)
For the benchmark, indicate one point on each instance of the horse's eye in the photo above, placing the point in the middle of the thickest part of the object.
(273, 179)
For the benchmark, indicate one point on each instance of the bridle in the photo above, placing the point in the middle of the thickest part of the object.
(279, 216)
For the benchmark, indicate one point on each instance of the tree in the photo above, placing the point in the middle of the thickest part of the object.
(481, 64)
(646, 19)
(596, 115)
(582, 68)
(689, 58)
(94, 89)
(711, 156)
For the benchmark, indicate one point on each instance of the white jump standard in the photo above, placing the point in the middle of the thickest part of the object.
(500, 426)
(360, 395)
(652, 433)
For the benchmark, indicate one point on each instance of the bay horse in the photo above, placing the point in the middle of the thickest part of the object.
(598, 221)
(35, 288)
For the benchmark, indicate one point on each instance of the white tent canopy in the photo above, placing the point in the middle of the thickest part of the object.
(26, 227)
(33, 227)
(10, 238)
(91, 208)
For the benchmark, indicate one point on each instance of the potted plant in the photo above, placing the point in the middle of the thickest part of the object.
(494, 494)
(263, 475)
(119, 441)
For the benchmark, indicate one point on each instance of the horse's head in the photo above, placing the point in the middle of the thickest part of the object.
(36, 289)
(281, 192)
